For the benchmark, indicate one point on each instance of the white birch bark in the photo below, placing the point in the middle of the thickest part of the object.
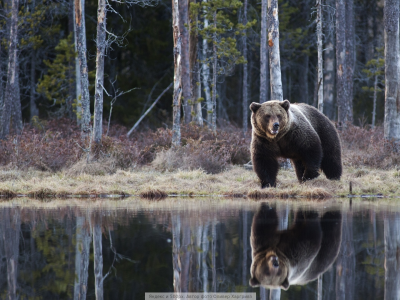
(215, 74)
(392, 101)
(78, 88)
(320, 59)
(263, 54)
(274, 54)
(83, 69)
(176, 103)
(185, 59)
(245, 103)
(101, 46)
(206, 75)
(12, 81)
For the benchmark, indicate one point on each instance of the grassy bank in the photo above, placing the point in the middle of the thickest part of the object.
(234, 182)
(47, 160)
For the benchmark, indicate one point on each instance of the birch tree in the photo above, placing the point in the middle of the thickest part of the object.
(343, 115)
(101, 47)
(320, 59)
(185, 59)
(245, 104)
(195, 78)
(83, 68)
(329, 60)
(392, 101)
(274, 54)
(350, 57)
(12, 82)
(218, 28)
(206, 69)
(263, 54)
(176, 102)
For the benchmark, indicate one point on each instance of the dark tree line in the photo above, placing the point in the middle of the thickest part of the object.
(49, 67)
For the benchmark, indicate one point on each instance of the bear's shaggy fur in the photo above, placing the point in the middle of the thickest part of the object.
(294, 256)
(295, 131)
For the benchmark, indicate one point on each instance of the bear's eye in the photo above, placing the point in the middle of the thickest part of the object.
(279, 117)
(267, 116)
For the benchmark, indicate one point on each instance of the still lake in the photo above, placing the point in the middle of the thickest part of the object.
(63, 249)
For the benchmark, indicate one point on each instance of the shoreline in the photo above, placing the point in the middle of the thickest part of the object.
(236, 182)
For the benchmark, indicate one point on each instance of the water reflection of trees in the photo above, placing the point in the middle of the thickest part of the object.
(50, 254)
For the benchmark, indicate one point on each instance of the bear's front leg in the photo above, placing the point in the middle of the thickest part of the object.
(266, 169)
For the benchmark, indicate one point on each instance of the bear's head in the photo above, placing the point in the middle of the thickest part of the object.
(269, 270)
(270, 118)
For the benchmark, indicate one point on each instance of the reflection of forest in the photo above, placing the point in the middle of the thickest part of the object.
(121, 251)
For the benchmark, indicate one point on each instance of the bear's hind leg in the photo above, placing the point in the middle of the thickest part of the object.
(331, 168)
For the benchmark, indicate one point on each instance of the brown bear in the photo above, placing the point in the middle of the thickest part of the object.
(295, 256)
(295, 131)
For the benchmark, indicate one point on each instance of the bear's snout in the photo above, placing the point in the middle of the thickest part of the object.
(276, 126)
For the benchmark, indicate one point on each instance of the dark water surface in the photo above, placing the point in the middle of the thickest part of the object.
(121, 249)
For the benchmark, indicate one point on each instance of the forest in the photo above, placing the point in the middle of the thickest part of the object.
(133, 83)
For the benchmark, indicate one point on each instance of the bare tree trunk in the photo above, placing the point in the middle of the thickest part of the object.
(176, 127)
(83, 69)
(82, 250)
(185, 59)
(214, 80)
(11, 231)
(392, 101)
(374, 104)
(329, 62)
(320, 58)
(71, 73)
(12, 82)
(392, 258)
(245, 103)
(101, 47)
(274, 54)
(77, 73)
(263, 54)
(341, 94)
(195, 75)
(350, 56)
(206, 75)
(98, 259)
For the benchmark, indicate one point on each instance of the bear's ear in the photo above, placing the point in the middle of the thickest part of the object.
(285, 104)
(254, 282)
(255, 106)
(285, 284)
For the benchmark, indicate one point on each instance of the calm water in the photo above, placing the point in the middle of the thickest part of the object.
(319, 250)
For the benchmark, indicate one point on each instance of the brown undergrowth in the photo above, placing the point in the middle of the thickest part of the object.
(47, 161)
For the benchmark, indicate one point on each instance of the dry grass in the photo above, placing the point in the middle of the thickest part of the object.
(235, 182)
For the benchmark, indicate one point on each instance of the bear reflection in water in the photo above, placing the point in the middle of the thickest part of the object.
(294, 256)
